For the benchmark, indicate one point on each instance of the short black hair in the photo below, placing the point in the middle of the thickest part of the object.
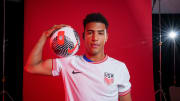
(95, 17)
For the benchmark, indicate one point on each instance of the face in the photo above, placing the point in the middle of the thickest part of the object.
(95, 38)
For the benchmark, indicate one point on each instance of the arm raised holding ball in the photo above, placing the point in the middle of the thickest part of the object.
(35, 64)
(112, 75)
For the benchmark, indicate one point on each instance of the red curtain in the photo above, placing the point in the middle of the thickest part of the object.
(130, 41)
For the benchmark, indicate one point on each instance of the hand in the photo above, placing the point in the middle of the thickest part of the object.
(49, 31)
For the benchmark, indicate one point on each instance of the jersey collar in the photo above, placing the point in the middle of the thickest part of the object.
(94, 62)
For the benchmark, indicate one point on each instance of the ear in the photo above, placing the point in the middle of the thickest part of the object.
(106, 37)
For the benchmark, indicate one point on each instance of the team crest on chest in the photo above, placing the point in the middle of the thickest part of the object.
(108, 78)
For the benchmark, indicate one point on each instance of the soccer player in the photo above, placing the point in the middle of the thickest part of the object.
(94, 76)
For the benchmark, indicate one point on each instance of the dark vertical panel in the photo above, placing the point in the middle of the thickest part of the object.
(14, 15)
(167, 21)
(1, 44)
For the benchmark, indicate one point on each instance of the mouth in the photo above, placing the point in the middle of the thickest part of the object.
(95, 45)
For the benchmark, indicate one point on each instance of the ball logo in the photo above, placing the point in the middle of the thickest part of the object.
(61, 37)
(71, 50)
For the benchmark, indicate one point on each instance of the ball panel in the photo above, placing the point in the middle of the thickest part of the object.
(71, 42)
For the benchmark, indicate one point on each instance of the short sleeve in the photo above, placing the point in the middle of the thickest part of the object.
(125, 86)
(56, 67)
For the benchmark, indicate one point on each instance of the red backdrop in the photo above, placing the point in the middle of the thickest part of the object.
(130, 40)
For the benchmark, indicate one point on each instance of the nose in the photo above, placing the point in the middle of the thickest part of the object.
(94, 37)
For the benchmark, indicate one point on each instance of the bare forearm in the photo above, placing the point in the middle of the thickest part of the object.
(125, 97)
(35, 64)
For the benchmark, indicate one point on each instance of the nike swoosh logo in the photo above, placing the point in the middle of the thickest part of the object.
(73, 72)
(71, 50)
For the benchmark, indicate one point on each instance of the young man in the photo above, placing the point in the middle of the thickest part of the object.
(92, 77)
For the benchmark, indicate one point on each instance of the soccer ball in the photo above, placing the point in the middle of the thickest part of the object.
(65, 42)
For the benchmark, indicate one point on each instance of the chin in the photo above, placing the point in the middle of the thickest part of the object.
(94, 52)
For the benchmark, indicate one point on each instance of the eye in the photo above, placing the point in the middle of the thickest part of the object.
(101, 33)
(89, 32)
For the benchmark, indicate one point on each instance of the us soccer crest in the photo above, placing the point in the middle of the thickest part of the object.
(108, 78)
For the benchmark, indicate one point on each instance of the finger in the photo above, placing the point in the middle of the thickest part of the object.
(55, 27)
(49, 32)
(60, 26)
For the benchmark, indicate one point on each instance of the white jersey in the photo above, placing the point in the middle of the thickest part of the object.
(92, 81)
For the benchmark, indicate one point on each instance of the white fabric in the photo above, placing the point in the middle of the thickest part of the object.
(90, 81)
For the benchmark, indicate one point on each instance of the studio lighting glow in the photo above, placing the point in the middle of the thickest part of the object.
(172, 34)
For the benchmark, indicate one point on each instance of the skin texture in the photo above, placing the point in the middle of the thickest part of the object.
(126, 97)
(95, 38)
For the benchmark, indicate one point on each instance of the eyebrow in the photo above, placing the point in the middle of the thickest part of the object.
(97, 30)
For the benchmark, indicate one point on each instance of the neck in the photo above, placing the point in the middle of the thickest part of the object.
(96, 57)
